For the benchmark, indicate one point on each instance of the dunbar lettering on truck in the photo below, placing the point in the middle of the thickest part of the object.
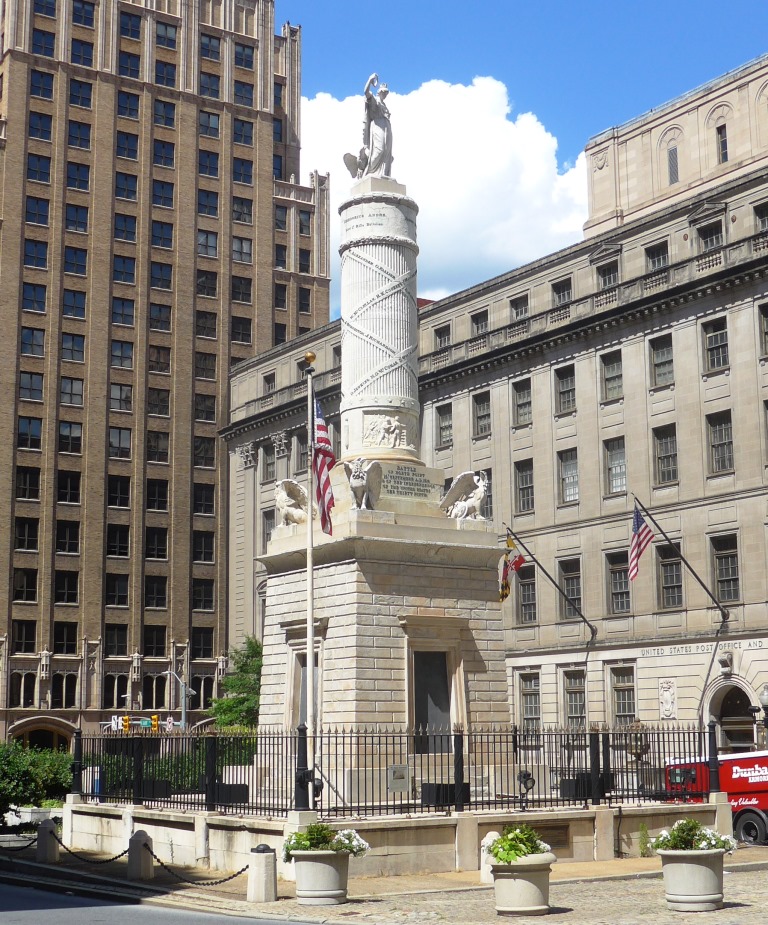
(743, 776)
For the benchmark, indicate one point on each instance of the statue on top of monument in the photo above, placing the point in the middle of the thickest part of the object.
(375, 158)
(465, 497)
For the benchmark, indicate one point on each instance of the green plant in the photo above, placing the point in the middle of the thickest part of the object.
(644, 841)
(242, 688)
(30, 775)
(516, 842)
(691, 835)
(321, 837)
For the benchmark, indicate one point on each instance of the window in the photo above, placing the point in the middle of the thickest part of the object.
(73, 303)
(281, 256)
(277, 166)
(608, 275)
(75, 260)
(118, 540)
(159, 317)
(82, 13)
(613, 386)
(570, 581)
(80, 94)
(166, 34)
(479, 322)
(444, 425)
(241, 330)
(442, 337)
(281, 218)
(623, 692)
(128, 104)
(119, 443)
(207, 243)
(43, 42)
(203, 496)
(35, 254)
(208, 203)
(115, 640)
(64, 638)
(281, 295)
(210, 85)
(526, 595)
(123, 269)
(242, 289)
(130, 25)
(277, 94)
(159, 359)
(202, 546)
(618, 582)
(120, 397)
(716, 344)
(208, 124)
(657, 257)
(205, 407)
(159, 402)
(208, 163)
(244, 55)
(162, 234)
(31, 386)
(565, 389)
(204, 452)
(129, 65)
(40, 125)
(242, 170)
(156, 544)
(210, 47)
(615, 466)
(71, 391)
(205, 365)
(68, 487)
(45, 7)
(73, 347)
(157, 495)
(665, 454)
(481, 414)
(243, 95)
(710, 236)
(207, 282)
(22, 692)
(41, 85)
(761, 217)
(156, 595)
(125, 227)
(205, 324)
(165, 73)
(202, 593)
(122, 312)
(160, 275)
(243, 132)
(163, 153)
(202, 642)
(522, 406)
(524, 493)
(116, 590)
(568, 466)
(76, 218)
(68, 536)
(162, 194)
(530, 702)
(118, 490)
(39, 168)
(721, 143)
(65, 587)
(32, 342)
(725, 565)
(763, 345)
(670, 577)
(242, 250)
(27, 483)
(574, 686)
(26, 530)
(720, 438)
(36, 211)
(23, 632)
(267, 527)
(662, 367)
(268, 462)
(562, 292)
(158, 444)
(154, 639)
(165, 113)
(305, 260)
(126, 186)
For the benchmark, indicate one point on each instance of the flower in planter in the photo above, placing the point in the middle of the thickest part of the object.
(515, 842)
(691, 835)
(321, 837)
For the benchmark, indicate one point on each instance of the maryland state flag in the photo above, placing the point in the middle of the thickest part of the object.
(509, 565)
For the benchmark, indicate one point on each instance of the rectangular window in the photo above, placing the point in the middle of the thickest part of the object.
(41, 85)
(119, 443)
(281, 218)
(524, 494)
(623, 693)
(43, 42)
(615, 466)
(35, 254)
(710, 236)
(31, 386)
(75, 260)
(562, 292)
(721, 141)
(73, 347)
(165, 113)
(202, 642)
(65, 587)
(442, 337)
(24, 589)
(202, 593)
(613, 383)
(205, 407)
(156, 543)
(481, 414)
(64, 638)
(673, 172)
(670, 577)
(76, 218)
(210, 85)
(33, 297)
(565, 389)
(244, 56)
(720, 437)
(208, 124)
(243, 95)
(125, 227)
(763, 330)
(657, 257)
(128, 104)
(115, 640)
(267, 526)
(130, 25)
(40, 126)
(301, 452)
(618, 582)
(159, 359)
(716, 344)
(242, 210)
(157, 495)
(665, 454)
(479, 323)
(162, 234)
(305, 260)
(156, 595)
(243, 132)
(279, 333)
(162, 194)
(526, 595)
(73, 303)
(268, 462)
(242, 289)
(205, 324)
(570, 581)
(159, 402)
(281, 256)
(36, 211)
(32, 342)
(123, 311)
(522, 406)
(608, 275)
(210, 47)
(241, 330)
(68, 487)
(568, 466)
(120, 397)
(23, 632)
(725, 565)
(160, 275)
(26, 531)
(277, 95)
(165, 73)
(68, 536)
(203, 498)
(305, 300)
(530, 702)
(158, 446)
(574, 688)
(116, 590)
(208, 163)
(281, 295)
(207, 243)
(127, 145)
(163, 153)
(71, 391)
(129, 65)
(204, 452)
(27, 483)
(82, 13)
(662, 366)
(444, 425)
(242, 170)
(166, 34)
(159, 317)
(277, 166)
(207, 202)
(123, 269)
(39, 168)
(119, 491)
(126, 186)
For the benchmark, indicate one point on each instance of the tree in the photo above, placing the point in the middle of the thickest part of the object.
(242, 687)
(30, 775)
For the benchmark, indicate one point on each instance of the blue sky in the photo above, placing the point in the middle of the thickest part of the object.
(569, 70)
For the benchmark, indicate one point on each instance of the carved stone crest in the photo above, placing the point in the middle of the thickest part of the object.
(667, 698)
(246, 453)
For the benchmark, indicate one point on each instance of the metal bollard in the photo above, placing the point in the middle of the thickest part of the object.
(262, 875)
(140, 862)
(47, 848)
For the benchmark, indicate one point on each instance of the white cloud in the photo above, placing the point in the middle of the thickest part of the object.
(489, 190)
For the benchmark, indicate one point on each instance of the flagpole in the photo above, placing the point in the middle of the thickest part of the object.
(309, 358)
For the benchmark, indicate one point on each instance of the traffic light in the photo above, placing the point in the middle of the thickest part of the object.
(155, 722)
(126, 723)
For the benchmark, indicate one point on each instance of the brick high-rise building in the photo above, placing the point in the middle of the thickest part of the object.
(153, 234)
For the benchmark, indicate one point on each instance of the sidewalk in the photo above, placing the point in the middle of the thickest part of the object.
(618, 892)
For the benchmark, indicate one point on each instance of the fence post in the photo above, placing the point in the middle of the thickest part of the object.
(714, 763)
(458, 769)
(137, 747)
(594, 767)
(77, 762)
(301, 781)
(606, 769)
(210, 772)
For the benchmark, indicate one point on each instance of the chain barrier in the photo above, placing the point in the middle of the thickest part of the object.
(18, 847)
(81, 857)
(195, 882)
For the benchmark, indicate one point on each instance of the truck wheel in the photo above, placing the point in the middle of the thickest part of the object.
(750, 829)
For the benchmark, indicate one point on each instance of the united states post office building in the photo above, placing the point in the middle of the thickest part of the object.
(630, 364)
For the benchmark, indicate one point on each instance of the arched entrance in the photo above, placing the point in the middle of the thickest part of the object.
(730, 708)
(42, 732)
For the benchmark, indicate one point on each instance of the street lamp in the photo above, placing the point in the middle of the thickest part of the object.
(185, 692)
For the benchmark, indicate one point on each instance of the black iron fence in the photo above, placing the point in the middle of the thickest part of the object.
(386, 772)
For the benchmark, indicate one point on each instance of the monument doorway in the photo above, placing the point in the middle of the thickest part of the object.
(431, 701)
(730, 708)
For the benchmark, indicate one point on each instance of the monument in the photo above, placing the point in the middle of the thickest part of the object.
(407, 622)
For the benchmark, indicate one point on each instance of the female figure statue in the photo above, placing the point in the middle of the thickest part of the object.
(377, 133)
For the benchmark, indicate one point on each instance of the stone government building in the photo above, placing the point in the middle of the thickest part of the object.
(631, 363)
(153, 236)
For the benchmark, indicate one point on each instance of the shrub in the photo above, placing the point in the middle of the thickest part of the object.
(516, 842)
(30, 775)
(691, 835)
(321, 837)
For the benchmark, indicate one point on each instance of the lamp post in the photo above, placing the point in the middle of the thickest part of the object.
(184, 695)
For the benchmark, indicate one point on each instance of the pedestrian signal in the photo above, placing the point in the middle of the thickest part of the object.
(155, 722)
(126, 724)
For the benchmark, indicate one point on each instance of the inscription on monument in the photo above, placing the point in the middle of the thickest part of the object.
(408, 481)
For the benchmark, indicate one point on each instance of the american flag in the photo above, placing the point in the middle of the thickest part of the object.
(641, 537)
(323, 461)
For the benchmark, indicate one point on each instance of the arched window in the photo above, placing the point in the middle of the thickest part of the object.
(23, 686)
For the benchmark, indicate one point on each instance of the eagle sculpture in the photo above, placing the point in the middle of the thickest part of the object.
(465, 496)
(364, 482)
(291, 502)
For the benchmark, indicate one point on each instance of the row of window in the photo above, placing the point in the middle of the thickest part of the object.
(669, 575)
(573, 704)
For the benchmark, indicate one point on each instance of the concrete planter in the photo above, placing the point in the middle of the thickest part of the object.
(321, 877)
(693, 880)
(522, 888)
